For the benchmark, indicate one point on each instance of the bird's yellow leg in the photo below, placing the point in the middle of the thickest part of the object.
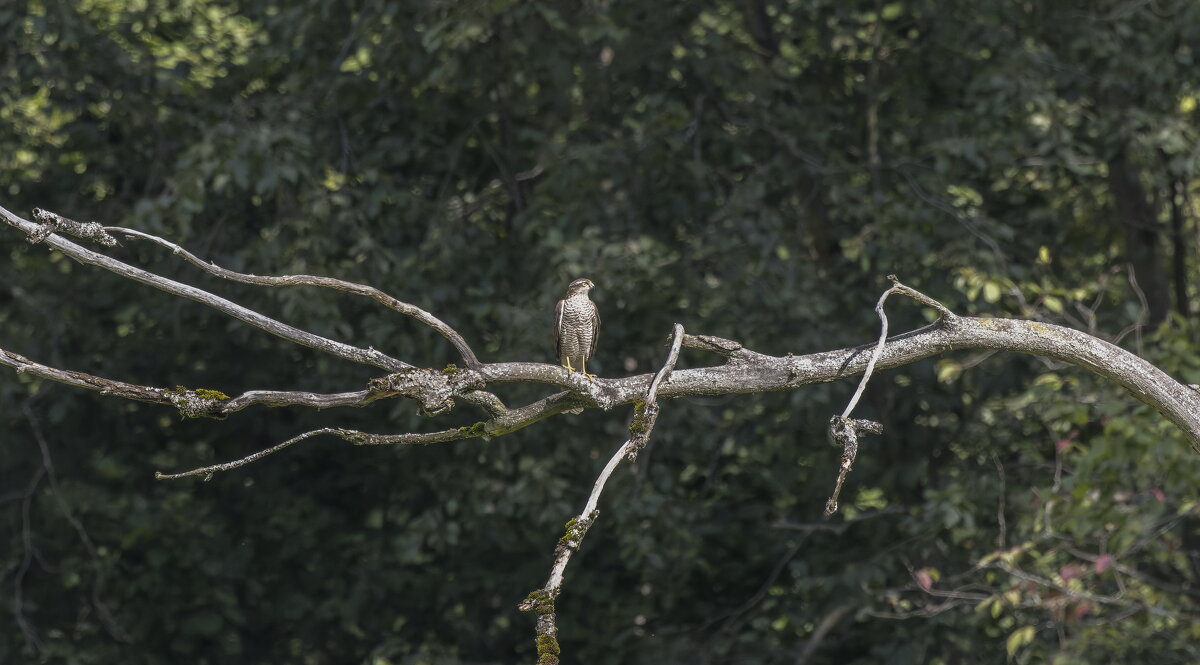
(567, 364)
(585, 372)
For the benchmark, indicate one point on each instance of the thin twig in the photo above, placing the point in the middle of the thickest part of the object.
(946, 315)
(669, 366)
(730, 617)
(958, 216)
(208, 471)
(114, 629)
(883, 329)
(646, 416)
(354, 436)
(826, 624)
(1001, 537)
(1177, 589)
(18, 604)
(1080, 594)
(1143, 314)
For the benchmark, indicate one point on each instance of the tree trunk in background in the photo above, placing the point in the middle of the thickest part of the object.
(758, 23)
(1142, 244)
(1179, 246)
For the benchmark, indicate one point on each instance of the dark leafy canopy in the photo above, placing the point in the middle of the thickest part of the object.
(749, 169)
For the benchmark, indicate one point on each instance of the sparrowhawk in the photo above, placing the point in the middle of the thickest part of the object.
(576, 327)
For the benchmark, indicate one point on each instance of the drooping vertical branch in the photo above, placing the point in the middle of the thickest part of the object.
(843, 429)
(541, 601)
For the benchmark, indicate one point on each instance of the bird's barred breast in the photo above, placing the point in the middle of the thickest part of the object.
(577, 316)
(576, 310)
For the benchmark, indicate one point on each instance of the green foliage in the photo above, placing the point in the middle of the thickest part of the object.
(751, 170)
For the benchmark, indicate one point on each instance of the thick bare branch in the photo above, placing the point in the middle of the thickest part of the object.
(595, 392)
(744, 371)
(371, 292)
(751, 372)
(366, 356)
(353, 436)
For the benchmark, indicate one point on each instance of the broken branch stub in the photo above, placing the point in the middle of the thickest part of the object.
(52, 222)
(845, 431)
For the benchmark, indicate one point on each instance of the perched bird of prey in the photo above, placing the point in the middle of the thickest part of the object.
(576, 327)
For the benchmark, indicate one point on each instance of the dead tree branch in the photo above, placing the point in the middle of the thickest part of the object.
(345, 351)
(945, 314)
(353, 436)
(460, 344)
(191, 403)
(743, 372)
(541, 601)
(437, 391)
(55, 223)
(844, 430)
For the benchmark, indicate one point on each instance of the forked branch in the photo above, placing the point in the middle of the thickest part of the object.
(844, 430)
(460, 344)
(366, 356)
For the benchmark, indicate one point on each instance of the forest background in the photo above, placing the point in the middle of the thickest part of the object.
(749, 169)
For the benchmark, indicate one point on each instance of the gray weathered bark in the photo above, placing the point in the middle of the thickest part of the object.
(437, 391)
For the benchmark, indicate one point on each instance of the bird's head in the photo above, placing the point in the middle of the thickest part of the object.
(580, 286)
